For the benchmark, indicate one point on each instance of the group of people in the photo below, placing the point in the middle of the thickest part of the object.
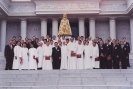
(66, 53)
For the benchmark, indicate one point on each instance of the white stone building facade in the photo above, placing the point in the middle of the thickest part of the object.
(102, 18)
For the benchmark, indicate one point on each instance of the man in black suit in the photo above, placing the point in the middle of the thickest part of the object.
(108, 51)
(115, 55)
(56, 55)
(102, 57)
(9, 54)
(124, 55)
(128, 49)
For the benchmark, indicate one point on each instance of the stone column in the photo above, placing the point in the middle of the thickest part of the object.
(23, 28)
(131, 31)
(92, 27)
(112, 28)
(43, 27)
(55, 27)
(3, 35)
(81, 27)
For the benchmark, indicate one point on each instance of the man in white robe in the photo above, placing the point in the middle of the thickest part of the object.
(40, 55)
(24, 57)
(47, 61)
(72, 48)
(32, 58)
(52, 44)
(88, 56)
(64, 56)
(95, 54)
(79, 60)
(54, 39)
(44, 43)
(63, 39)
(16, 61)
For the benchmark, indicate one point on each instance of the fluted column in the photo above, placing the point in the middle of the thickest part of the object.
(43, 27)
(131, 31)
(92, 27)
(81, 27)
(23, 28)
(3, 35)
(55, 27)
(112, 28)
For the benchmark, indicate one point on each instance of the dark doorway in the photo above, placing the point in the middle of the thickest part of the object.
(75, 29)
(87, 32)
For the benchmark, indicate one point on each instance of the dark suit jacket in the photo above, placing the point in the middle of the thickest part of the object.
(108, 50)
(56, 53)
(124, 52)
(34, 44)
(128, 46)
(115, 51)
(102, 49)
(9, 52)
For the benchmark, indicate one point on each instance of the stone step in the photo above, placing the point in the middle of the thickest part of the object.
(68, 87)
(66, 71)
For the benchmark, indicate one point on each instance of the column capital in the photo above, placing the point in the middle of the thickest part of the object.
(3, 20)
(112, 18)
(91, 18)
(54, 19)
(43, 19)
(131, 18)
(81, 18)
(23, 19)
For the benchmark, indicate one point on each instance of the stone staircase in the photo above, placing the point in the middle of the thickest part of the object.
(67, 79)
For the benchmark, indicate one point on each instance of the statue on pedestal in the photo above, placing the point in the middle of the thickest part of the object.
(64, 28)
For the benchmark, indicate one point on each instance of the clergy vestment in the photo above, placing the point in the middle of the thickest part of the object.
(16, 61)
(71, 59)
(95, 54)
(79, 61)
(40, 55)
(24, 56)
(47, 64)
(32, 61)
(87, 59)
(64, 55)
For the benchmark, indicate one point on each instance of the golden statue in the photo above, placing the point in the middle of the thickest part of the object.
(64, 28)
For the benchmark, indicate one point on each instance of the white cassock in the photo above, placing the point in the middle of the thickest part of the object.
(87, 59)
(63, 40)
(47, 64)
(79, 61)
(40, 56)
(64, 55)
(16, 62)
(24, 56)
(90, 42)
(52, 45)
(32, 62)
(95, 54)
(71, 60)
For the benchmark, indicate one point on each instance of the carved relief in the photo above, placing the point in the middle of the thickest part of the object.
(113, 7)
(22, 8)
(67, 6)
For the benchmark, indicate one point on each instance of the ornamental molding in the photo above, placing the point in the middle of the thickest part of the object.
(57, 7)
